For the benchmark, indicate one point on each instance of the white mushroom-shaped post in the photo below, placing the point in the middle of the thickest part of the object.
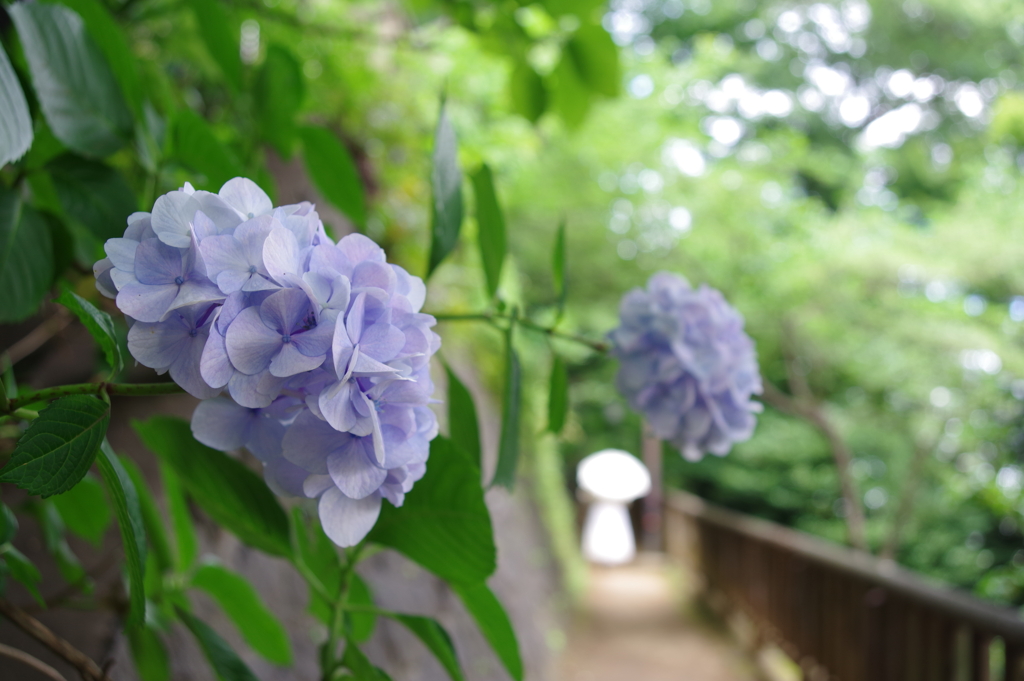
(614, 478)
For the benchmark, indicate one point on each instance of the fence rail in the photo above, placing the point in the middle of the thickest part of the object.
(841, 614)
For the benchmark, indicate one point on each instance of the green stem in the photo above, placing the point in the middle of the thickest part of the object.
(329, 663)
(132, 389)
(596, 346)
(20, 415)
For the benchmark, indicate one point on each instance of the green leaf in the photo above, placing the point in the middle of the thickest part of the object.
(93, 194)
(436, 639)
(361, 624)
(240, 602)
(444, 524)
(558, 268)
(596, 59)
(356, 662)
(494, 624)
(571, 98)
(133, 534)
(26, 257)
(278, 97)
(8, 524)
(15, 120)
(194, 145)
(318, 553)
(152, 522)
(558, 397)
(221, 39)
(111, 39)
(23, 570)
(59, 446)
(491, 226)
(77, 91)
(446, 189)
(527, 93)
(462, 422)
(181, 520)
(334, 171)
(149, 654)
(230, 493)
(52, 525)
(84, 510)
(99, 324)
(508, 445)
(225, 662)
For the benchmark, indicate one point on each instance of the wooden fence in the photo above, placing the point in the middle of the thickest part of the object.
(841, 614)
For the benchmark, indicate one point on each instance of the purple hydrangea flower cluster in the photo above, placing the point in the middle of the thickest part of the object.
(312, 354)
(687, 365)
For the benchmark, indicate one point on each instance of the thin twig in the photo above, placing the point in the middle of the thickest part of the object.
(905, 507)
(133, 389)
(89, 670)
(813, 414)
(596, 346)
(31, 661)
(38, 336)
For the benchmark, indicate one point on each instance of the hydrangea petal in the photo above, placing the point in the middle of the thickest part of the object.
(250, 344)
(348, 521)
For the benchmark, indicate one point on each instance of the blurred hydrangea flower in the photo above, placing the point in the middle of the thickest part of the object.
(321, 347)
(687, 365)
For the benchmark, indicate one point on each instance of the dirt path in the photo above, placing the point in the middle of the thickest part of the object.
(636, 624)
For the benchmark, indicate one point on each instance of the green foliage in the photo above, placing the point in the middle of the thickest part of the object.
(334, 171)
(243, 606)
(462, 422)
(528, 96)
(490, 227)
(26, 257)
(558, 395)
(446, 192)
(8, 524)
(58, 448)
(444, 524)
(84, 509)
(15, 121)
(185, 543)
(78, 93)
(220, 38)
(93, 194)
(278, 92)
(54, 531)
(149, 654)
(361, 624)
(356, 662)
(22, 570)
(195, 146)
(112, 41)
(508, 445)
(436, 639)
(152, 522)
(224, 661)
(490, 616)
(125, 499)
(99, 324)
(319, 556)
(230, 493)
(558, 269)
(596, 59)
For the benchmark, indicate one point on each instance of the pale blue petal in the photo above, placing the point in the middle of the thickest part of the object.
(172, 218)
(222, 424)
(353, 473)
(146, 303)
(289, 361)
(348, 521)
(246, 197)
(250, 344)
